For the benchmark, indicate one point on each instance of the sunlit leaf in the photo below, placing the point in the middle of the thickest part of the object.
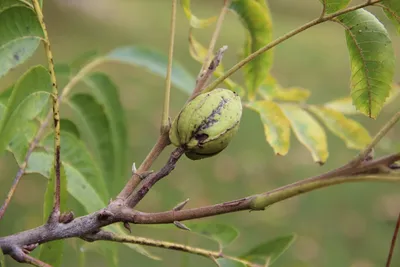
(94, 125)
(256, 17)
(372, 60)
(308, 131)
(154, 61)
(392, 11)
(271, 249)
(332, 6)
(294, 94)
(199, 53)
(107, 95)
(351, 132)
(29, 95)
(20, 35)
(194, 21)
(276, 125)
(222, 233)
(52, 252)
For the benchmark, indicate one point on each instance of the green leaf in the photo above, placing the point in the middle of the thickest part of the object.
(77, 159)
(83, 59)
(20, 35)
(308, 131)
(351, 132)
(69, 126)
(4, 4)
(331, 6)
(199, 53)
(106, 93)
(221, 262)
(52, 252)
(372, 60)
(155, 62)
(194, 21)
(223, 234)
(94, 125)
(392, 11)
(255, 16)
(276, 125)
(29, 95)
(2, 261)
(272, 249)
(21, 140)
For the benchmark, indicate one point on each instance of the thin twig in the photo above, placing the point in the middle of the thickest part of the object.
(56, 113)
(134, 199)
(215, 36)
(393, 243)
(134, 181)
(283, 38)
(165, 115)
(103, 235)
(35, 262)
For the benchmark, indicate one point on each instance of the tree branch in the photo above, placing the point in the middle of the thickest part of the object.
(393, 242)
(283, 38)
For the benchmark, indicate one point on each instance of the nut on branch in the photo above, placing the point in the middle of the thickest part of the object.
(207, 123)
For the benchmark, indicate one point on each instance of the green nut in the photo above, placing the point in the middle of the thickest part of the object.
(207, 123)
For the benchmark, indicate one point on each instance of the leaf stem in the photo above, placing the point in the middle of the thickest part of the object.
(56, 112)
(103, 235)
(283, 38)
(165, 124)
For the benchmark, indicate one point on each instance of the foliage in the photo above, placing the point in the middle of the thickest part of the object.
(98, 117)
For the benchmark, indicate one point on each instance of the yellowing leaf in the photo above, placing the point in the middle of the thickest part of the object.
(343, 105)
(194, 21)
(255, 16)
(308, 131)
(351, 132)
(271, 89)
(276, 125)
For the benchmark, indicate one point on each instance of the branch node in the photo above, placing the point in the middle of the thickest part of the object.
(104, 215)
(67, 217)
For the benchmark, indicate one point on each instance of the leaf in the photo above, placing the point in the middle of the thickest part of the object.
(77, 159)
(223, 234)
(106, 93)
(69, 126)
(2, 261)
(22, 139)
(30, 94)
(83, 60)
(194, 21)
(276, 125)
(345, 105)
(331, 6)
(308, 131)
(4, 4)
(351, 132)
(222, 262)
(199, 53)
(371, 58)
(52, 252)
(392, 11)
(155, 62)
(255, 16)
(20, 35)
(272, 249)
(94, 125)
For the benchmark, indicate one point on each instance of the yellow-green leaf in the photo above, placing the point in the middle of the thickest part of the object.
(392, 11)
(351, 132)
(255, 16)
(195, 22)
(372, 60)
(276, 125)
(199, 53)
(271, 89)
(309, 132)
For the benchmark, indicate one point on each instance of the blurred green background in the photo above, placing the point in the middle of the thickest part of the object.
(345, 225)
